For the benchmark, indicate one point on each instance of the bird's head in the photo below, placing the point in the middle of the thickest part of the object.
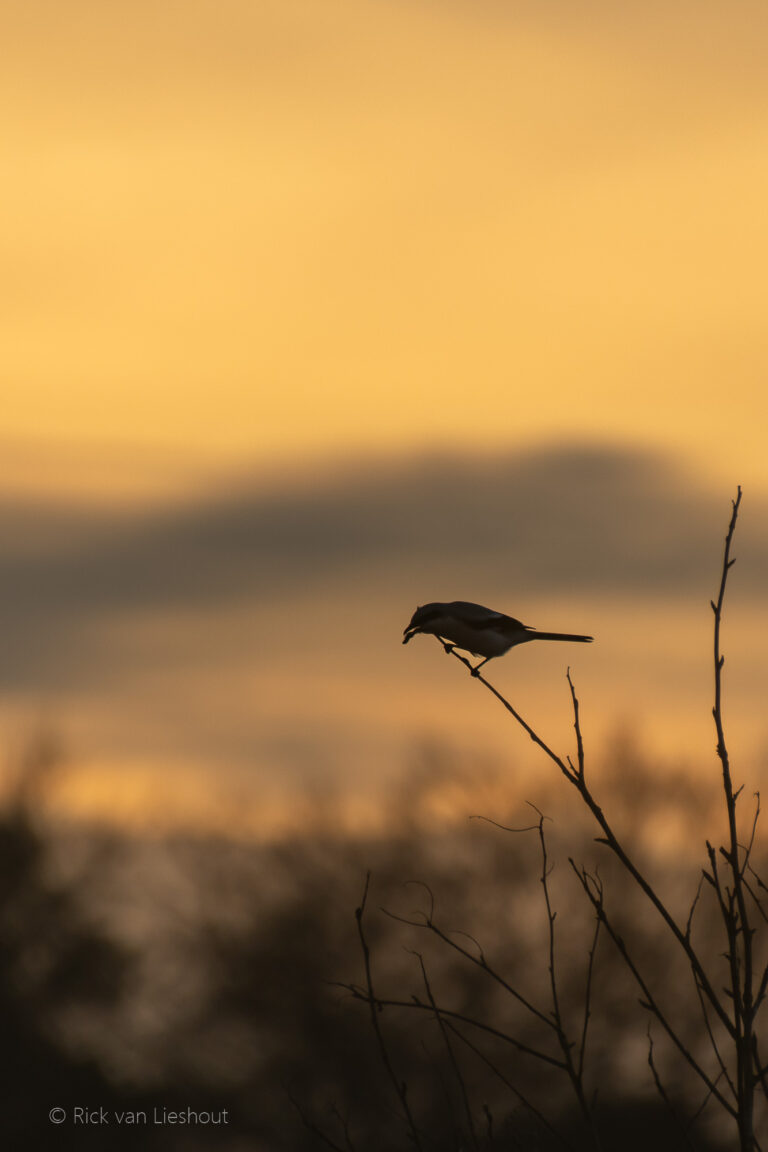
(420, 617)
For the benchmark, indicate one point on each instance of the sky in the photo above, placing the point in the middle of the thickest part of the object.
(315, 311)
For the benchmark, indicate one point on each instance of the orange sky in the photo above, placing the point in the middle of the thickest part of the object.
(241, 231)
(242, 236)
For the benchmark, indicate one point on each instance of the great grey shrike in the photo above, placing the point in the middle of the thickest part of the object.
(478, 630)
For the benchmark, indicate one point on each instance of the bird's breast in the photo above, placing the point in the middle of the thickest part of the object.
(479, 641)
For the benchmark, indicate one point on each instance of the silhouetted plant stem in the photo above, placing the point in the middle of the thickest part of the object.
(664, 1094)
(526, 1103)
(375, 1006)
(552, 1019)
(739, 930)
(315, 1129)
(736, 1013)
(451, 1054)
(577, 777)
(416, 1004)
(593, 889)
(573, 1070)
(427, 921)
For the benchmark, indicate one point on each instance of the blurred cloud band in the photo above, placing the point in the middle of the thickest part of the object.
(564, 518)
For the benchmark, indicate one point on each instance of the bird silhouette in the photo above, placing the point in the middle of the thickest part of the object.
(479, 630)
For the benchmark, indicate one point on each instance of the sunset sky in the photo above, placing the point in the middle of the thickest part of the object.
(258, 255)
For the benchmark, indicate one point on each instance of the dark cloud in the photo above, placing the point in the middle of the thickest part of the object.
(567, 518)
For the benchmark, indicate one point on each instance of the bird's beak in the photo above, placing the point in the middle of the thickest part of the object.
(408, 635)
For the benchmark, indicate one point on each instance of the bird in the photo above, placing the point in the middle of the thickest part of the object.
(479, 630)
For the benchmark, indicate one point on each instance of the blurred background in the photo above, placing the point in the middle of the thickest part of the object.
(314, 312)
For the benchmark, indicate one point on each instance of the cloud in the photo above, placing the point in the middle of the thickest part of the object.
(564, 519)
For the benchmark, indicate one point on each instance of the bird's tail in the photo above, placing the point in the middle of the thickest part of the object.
(560, 636)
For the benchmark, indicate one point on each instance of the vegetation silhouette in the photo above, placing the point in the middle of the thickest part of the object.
(204, 973)
(704, 1037)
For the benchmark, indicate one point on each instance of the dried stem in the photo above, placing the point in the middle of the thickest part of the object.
(577, 777)
(663, 1092)
(734, 907)
(375, 1006)
(573, 1070)
(728, 1014)
(508, 1084)
(442, 1025)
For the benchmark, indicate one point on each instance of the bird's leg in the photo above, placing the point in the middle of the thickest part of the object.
(477, 667)
(448, 647)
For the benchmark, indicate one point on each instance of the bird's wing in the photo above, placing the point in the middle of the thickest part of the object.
(476, 616)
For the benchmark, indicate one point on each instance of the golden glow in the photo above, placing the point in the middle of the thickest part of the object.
(251, 235)
(263, 230)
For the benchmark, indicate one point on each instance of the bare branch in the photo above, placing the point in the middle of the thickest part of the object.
(577, 727)
(315, 1129)
(736, 920)
(578, 780)
(588, 996)
(573, 1070)
(375, 1007)
(479, 961)
(750, 845)
(414, 1004)
(594, 892)
(714, 1045)
(515, 1091)
(663, 1093)
(451, 1054)
(561, 764)
(689, 922)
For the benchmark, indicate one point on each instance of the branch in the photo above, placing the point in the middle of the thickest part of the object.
(310, 1125)
(478, 961)
(662, 1091)
(375, 1007)
(359, 994)
(451, 1054)
(564, 768)
(594, 892)
(576, 777)
(588, 994)
(508, 1083)
(737, 924)
(574, 1071)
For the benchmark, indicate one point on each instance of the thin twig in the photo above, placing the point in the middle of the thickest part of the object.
(663, 1092)
(523, 723)
(594, 892)
(311, 1126)
(345, 1128)
(451, 1054)
(689, 922)
(479, 961)
(415, 1004)
(577, 727)
(578, 779)
(375, 1006)
(588, 995)
(713, 1042)
(737, 922)
(508, 1083)
(749, 847)
(573, 1070)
